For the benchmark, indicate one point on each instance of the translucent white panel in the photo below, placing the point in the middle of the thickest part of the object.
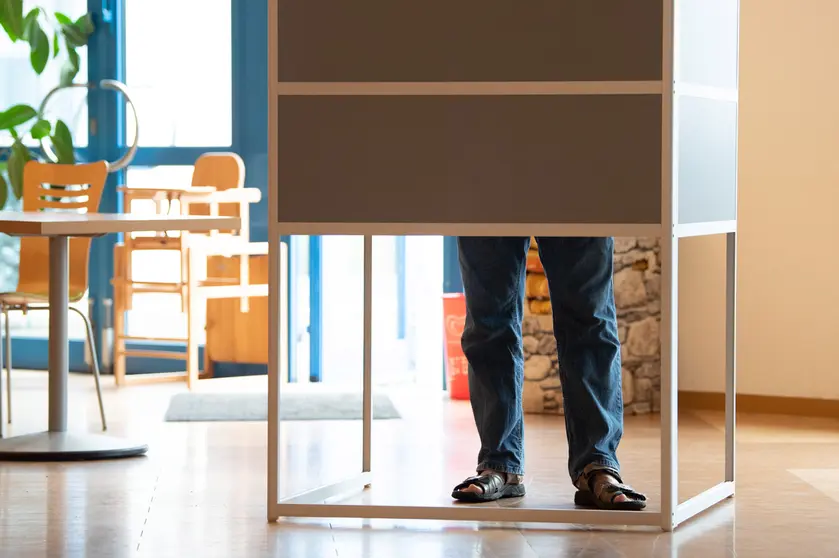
(707, 160)
(707, 41)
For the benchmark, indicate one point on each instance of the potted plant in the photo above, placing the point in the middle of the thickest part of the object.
(51, 37)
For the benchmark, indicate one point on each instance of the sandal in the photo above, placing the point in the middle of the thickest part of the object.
(493, 487)
(601, 493)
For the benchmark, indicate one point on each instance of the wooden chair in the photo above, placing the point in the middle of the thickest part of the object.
(217, 189)
(49, 187)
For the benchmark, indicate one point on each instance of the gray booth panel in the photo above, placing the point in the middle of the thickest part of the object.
(469, 40)
(707, 160)
(469, 159)
(708, 42)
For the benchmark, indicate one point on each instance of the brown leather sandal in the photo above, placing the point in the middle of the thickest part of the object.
(493, 485)
(597, 492)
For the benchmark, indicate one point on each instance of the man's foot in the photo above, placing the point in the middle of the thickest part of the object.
(603, 488)
(488, 486)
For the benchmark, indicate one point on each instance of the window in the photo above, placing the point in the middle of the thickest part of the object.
(179, 71)
(156, 314)
(19, 84)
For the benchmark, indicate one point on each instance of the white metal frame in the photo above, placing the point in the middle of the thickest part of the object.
(324, 502)
(313, 503)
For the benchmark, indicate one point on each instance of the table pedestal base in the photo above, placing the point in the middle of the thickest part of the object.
(66, 446)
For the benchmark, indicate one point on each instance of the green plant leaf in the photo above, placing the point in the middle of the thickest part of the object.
(4, 186)
(62, 143)
(4, 19)
(16, 115)
(41, 129)
(70, 68)
(63, 19)
(4, 191)
(85, 24)
(11, 18)
(39, 45)
(73, 35)
(17, 160)
(56, 45)
(27, 21)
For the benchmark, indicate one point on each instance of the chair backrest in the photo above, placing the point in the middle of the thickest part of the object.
(222, 171)
(69, 188)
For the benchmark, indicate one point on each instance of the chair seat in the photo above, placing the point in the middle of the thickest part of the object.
(25, 299)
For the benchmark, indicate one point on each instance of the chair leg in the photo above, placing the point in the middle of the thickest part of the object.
(119, 333)
(192, 368)
(8, 363)
(119, 309)
(192, 325)
(95, 360)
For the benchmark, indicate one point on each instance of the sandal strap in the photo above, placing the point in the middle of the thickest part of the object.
(609, 488)
(614, 490)
(488, 482)
(587, 479)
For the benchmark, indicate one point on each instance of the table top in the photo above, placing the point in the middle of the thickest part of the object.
(94, 224)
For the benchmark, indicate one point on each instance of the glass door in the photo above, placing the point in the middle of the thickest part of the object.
(180, 79)
(199, 88)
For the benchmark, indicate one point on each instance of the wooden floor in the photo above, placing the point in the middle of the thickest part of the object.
(200, 492)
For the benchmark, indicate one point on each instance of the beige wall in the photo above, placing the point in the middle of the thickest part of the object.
(788, 298)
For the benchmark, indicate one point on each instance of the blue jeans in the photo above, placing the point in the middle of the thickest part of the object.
(579, 272)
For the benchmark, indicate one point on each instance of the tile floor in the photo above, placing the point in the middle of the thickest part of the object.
(201, 489)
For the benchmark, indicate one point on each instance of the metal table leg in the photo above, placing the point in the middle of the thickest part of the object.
(57, 444)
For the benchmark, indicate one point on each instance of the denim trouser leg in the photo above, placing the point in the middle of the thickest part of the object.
(493, 280)
(579, 272)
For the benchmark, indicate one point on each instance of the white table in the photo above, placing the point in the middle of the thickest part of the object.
(57, 444)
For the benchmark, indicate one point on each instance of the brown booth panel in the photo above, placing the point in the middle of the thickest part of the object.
(469, 40)
(469, 159)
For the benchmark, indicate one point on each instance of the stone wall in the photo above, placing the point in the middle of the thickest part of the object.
(637, 292)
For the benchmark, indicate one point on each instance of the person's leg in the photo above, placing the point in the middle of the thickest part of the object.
(579, 272)
(493, 280)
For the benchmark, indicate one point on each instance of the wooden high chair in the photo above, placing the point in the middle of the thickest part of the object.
(49, 187)
(217, 189)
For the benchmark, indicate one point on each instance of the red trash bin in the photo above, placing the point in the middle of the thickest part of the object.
(457, 369)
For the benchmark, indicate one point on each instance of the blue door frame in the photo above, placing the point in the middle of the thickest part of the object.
(106, 60)
(315, 328)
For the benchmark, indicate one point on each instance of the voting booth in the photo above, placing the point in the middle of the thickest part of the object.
(429, 117)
